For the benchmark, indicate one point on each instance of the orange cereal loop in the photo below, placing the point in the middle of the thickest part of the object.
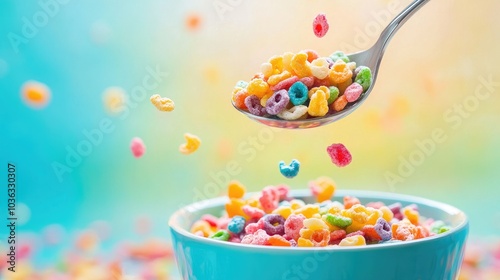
(411, 215)
(339, 103)
(340, 72)
(277, 240)
(300, 65)
(350, 201)
(258, 87)
(35, 94)
(311, 55)
(235, 208)
(235, 189)
(239, 99)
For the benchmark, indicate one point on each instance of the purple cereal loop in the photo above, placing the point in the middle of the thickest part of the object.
(274, 224)
(277, 103)
(383, 229)
(253, 104)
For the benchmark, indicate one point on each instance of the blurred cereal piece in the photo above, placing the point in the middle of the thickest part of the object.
(137, 147)
(35, 94)
(53, 234)
(192, 144)
(114, 99)
(87, 241)
(150, 250)
(193, 21)
(143, 225)
(102, 229)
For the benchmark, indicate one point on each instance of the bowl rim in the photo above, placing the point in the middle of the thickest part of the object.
(220, 201)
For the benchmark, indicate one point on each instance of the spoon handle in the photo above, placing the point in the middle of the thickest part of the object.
(396, 23)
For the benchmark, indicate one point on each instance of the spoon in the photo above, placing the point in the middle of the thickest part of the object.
(370, 58)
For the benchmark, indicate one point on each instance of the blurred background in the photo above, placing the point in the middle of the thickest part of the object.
(75, 82)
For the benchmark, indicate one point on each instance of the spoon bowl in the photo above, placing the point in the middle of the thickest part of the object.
(370, 58)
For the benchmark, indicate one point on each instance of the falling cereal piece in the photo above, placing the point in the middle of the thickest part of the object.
(320, 25)
(162, 103)
(289, 171)
(192, 144)
(137, 147)
(35, 94)
(193, 21)
(339, 154)
(114, 99)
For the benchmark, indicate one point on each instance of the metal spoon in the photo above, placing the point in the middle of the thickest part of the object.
(370, 58)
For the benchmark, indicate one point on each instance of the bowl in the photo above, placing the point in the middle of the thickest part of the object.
(437, 257)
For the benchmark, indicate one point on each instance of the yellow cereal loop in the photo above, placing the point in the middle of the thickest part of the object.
(386, 213)
(315, 89)
(284, 211)
(287, 61)
(361, 216)
(344, 85)
(202, 226)
(235, 189)
(314, 224)
(320, 68)
(276, 78)
(356, 240)
(257, 87)
(264, 99)
(308, 210)
(162, 103)
(267, 69)
(253, 202)
(340, 72)
(192, 144)
(303, 242)
(296, 204)
(235, 208)
(318, 106)
(300, 65)
(277, 63)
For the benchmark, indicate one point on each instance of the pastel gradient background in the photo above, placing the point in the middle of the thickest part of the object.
(430, 73)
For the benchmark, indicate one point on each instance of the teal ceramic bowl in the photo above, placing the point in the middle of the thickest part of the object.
(435, 258)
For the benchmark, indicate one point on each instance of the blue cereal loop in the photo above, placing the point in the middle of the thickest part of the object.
(291, 170)
(298, 93)
(236, 225)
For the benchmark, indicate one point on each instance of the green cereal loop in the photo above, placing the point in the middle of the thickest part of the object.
(339, 55)
(364, 78)
(443, 229)
(334, 93)
(436, 226)
(338, 221)
(221, 235)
